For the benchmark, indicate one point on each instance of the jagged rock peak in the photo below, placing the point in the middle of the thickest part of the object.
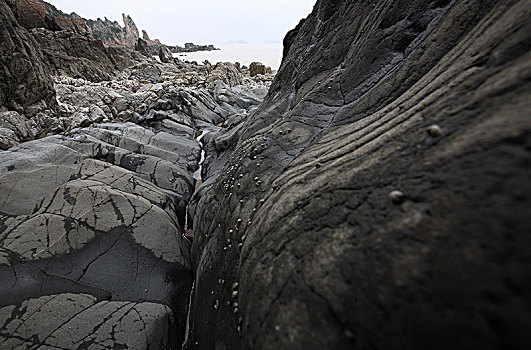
(145, 35)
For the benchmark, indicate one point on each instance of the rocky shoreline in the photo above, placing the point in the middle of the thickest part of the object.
(374, 193)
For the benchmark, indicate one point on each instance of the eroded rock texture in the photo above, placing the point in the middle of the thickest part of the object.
(379, 197)
(100, 215)
(80, 56)
(24, 79)
(92, 222)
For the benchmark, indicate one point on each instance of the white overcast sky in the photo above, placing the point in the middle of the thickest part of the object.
(199, 21)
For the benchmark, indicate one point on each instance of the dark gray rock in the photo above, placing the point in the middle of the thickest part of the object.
(91, 238)
(24, 78)
(335, 218)
(76, 321)
(256, 68)
(165, 55)
(142, 47)
(145, 72)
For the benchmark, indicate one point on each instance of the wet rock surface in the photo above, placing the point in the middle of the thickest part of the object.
(100, 214)
(378, 198)
(93, 207)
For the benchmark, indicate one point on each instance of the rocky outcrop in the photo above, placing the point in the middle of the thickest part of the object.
(142, 47)
(92, 239)
(30, 13)
(55, 46)
(112, 34)
(257, 68)
(25, 83)
(379, 196)
(76, 25)
(145, 36)
(191, 47)
(165, 55)
(225, 72)
(131, 34)
(80, 56)
(92, 252)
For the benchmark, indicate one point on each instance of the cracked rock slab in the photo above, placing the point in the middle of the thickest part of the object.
(74, 321)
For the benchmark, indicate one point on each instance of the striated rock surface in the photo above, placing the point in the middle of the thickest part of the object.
(24, 78)
(80, 56)
(30, 13)
(379, 196)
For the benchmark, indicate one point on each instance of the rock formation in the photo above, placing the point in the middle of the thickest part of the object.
(165, 55)
(93, 213)
(375, 197)
(76, 55)
(131, 34)
(30, 13)
(114, 35)
(379, 196)
(24, 78)
(257, 68)
(142, 47)
(76, 25)
(145, 36)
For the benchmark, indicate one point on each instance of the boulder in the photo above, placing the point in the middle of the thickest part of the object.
(256, 68)
(8, 139)
(165, 55)
(18, 124)
(225, 72)
(145, 72)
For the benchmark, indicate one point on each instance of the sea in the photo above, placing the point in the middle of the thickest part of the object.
(268, 54)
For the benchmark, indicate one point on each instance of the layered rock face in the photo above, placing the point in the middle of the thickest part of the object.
(76, 55)
(24, 78)
(379, 197)
(30, 13)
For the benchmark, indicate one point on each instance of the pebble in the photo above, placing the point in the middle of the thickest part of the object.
(435, 130)
(397, 197)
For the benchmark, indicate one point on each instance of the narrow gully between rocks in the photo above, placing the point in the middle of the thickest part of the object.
(198, 177)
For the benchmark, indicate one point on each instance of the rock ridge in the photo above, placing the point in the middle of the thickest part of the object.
(365, 204)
